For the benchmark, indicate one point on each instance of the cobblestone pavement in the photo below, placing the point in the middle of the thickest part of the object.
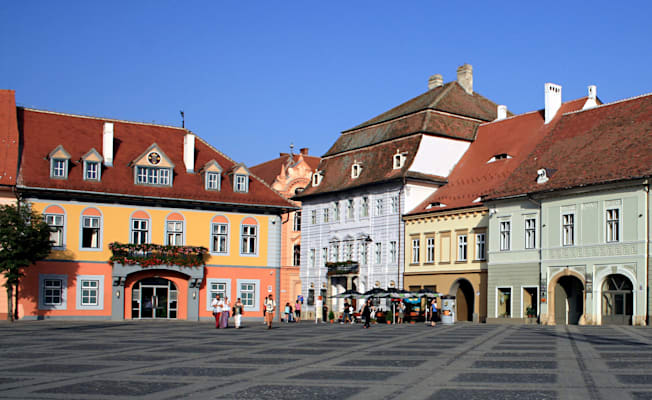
(179, 359)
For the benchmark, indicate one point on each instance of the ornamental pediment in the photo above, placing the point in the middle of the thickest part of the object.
(154, 156)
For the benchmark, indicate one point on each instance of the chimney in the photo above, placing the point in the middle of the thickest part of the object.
(592, 100)
(552, 100)
(501, 112)
(189, 152)
(107, 144)
(435, 81)
(304, 151)
(465, 77)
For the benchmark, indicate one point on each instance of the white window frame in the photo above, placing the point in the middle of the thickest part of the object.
(326, 214)
(241, 183)
(523, 315)
(246, 238)
(530, 232)
(394, 204)
(336, 211)
(256, 293)
(481, 246)
(92, 171)
(430, 249)
(63, 305)
(296, 221)
(349, 209)
(505, 234)
(324, 255)
(378, 254)
(216, 235)
(462, 247)
(154, 176)
(313, 217)
(364, 207)
(210, 292)
(609, 230)
(364, 253)
(51, 220)
(393, 252)
(312, 258)
(213, 181)
(335, 252)
(177, 233)
(379, 207)
(80, 289)
(416, 250)
(59, 168)
(511, 300)
(132, 230)
(568, 229)
(83, 226)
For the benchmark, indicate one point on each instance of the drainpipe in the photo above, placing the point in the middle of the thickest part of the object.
(399, 246)
(646, 188)
(539, 252)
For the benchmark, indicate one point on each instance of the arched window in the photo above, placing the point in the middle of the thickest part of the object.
(139, 227)
(55, 217)
(174, 232)
(91, 229)
(249, 236)
(220, 235)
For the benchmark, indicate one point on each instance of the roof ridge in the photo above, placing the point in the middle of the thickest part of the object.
(609, 104)
(103, 119)
(534, 111)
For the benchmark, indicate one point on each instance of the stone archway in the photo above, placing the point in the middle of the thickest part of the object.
(567, 299)
(617, 300)
(463, 291)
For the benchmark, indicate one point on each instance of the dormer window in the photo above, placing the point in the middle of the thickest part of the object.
(241, 183)
(92, 165)
(501, 156)
(212, 181)
(153, 167)
(542, 176)
(398, 159)
(435, 204)
(59, 160)
(317, 176)
(356, 168)
(153, 176)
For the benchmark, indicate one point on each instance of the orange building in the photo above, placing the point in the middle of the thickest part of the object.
(288, 174)
(149, 221)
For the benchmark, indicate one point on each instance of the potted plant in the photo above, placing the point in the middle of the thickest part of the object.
(331, 316)
(531, 315)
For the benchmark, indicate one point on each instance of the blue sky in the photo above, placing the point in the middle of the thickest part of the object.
(252, 77)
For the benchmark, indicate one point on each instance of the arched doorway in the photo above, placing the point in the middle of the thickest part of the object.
(569, 300)
(154, 298)
(617, 300)
(464, 299)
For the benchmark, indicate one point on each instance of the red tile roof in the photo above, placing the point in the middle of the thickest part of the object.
(269, 170)
(43, 131)
(8, 138)
(474, 176)
(608, 143)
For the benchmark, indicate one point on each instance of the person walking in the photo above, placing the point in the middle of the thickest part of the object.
(226, 310)
(217, 310)
(297, 311)
(345, 317)
(401, 312)
(238, 309)
(366, 313)
(435, 314)
(287, 312)
(270, 307)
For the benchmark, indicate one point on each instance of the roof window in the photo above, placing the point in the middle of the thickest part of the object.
(356, 169)
(59, 160)
(317, 176)
(398, 160)
(435, 204)
(501, 156)
(542, 176)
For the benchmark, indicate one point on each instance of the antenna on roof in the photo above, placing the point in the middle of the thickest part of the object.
(291, 148)
(183, 119)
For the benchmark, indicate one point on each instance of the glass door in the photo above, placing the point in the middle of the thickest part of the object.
(154, 298)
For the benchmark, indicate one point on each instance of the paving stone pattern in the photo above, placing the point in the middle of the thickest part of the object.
(192, 360)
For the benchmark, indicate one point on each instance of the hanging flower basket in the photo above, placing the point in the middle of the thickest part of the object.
(148, 255)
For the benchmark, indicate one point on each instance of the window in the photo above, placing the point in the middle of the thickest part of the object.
(219, 238)
(313, 217)
(213, 181)
(217, 288)
(296, 255)
(348, 251)
(379, 206)
(90, 232)
(430, 249)
(56, 224)
(504, 302)
(530, 233)
(174, 234)
(312, 258)
(398, 160)
(462, 248)
(364, 253)
(153, 176)
(59, 168)
(335, 252)
(247, 294)
(311, 297)
(568, 229)
(139, 231)
(53, 292)
(393, 254)
(416, 246)
(296, 223)
(336, 211)
(324, 256)
(91, 170)
(480, 252)
(364, 207)
(317, 176)
(394, 203)
(505, 235)
(349, 209)
(379, 253)
(613, 225)
(241, 183)
(355, 170)
(326, 214)
(89, 292)
(249, 237)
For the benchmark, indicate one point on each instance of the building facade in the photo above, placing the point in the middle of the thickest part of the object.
(148, 221)
(289, 174)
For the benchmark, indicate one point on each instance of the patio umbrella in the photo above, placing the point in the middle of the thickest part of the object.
(354, 294)
(376, 292)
